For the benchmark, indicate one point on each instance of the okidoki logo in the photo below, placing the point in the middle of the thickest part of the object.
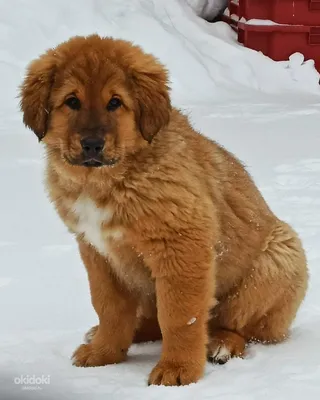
(32, 381)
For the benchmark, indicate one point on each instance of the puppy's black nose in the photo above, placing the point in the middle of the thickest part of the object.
(92, 146)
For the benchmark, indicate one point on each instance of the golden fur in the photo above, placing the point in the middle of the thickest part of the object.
(177, 240)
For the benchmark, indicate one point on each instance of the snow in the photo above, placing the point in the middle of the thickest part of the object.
(265, 22)
(192, 321)
(208, 9)
(267, 113)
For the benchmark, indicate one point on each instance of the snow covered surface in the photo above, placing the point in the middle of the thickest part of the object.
(265, 22)
(208, 9)
(265, 112)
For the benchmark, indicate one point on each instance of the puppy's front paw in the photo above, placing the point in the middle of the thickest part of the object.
(169, 373)
(89, 355)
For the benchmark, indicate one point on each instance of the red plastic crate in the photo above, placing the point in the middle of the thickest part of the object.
(279, 42)
(291, 12)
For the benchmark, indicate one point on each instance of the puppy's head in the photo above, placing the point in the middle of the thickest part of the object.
(94, 100)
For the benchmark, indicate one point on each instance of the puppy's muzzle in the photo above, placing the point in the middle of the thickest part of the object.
(92, 151)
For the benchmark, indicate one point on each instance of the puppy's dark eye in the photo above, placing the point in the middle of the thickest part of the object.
(113, 104)
(73, 103)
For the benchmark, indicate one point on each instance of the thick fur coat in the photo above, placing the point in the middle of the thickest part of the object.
(178, 243)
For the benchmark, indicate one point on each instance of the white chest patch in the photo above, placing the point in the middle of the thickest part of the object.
(90, 220)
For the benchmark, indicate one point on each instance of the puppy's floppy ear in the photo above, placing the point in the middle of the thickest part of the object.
(152, 98)
(35, 93)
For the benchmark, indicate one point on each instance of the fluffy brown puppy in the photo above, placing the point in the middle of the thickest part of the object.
(177, 240)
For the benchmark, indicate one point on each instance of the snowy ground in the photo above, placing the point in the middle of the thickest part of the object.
(267, 113)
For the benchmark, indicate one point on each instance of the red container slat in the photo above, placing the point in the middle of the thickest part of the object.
(279, 42)
(291, 12)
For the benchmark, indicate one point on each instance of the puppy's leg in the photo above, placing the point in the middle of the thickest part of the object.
(273, 326)
(285, 254)
(263, 306)
(116, 309)
(184, 297)
(147, 331)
